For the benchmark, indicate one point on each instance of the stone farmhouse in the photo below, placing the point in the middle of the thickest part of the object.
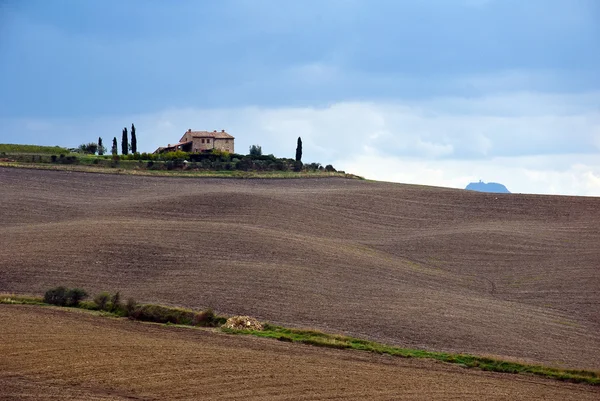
(201, 141)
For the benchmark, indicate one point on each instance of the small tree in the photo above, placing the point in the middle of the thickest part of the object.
(101, 300)
(255, 150)
(299, 150)
(75, 295)
(115, 301)
(124, 143)
(56, 296)
(101, 148)
(130, 306)
(88, 148)
(114, 149)
(133, 140)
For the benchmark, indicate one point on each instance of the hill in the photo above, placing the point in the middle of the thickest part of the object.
(487, 187)
(8, 148)
(441, 269)
(95, 358)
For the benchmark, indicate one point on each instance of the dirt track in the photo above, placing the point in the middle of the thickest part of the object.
(509, 275)
(55, 354)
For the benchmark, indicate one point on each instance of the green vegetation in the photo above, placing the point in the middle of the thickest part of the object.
(63, 296)
(299, 150)
(255, 150)
(124, 142)
(133, 140)
(88, 148)
(101, 147)
(220, 162)
(320, 339)
(7, 148)
(17, 299)
(112, 306)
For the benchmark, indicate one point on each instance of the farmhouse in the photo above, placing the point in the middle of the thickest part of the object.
(201, 141)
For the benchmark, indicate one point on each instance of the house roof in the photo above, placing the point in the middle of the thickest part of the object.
(207, 134)
(174, 146)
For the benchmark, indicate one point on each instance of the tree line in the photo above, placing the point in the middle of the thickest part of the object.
(126, 145)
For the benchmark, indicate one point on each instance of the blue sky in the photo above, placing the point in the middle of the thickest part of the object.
(438, 92)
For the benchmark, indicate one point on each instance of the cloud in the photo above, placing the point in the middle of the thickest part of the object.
(563, 174)
(446, 142)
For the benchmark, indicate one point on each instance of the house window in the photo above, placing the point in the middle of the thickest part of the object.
(203, 141)
(226, 140)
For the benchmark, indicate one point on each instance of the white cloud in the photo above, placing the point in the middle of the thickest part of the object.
(427, 142)
(564, 174)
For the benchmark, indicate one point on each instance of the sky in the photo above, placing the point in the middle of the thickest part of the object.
(435, 92)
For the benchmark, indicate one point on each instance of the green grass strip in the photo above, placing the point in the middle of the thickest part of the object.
(320, 339)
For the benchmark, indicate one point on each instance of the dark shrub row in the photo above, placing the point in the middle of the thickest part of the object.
(64, 159)
(108, 302)
(166, 314)
(63, 296)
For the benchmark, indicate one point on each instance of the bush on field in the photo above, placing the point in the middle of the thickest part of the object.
(63, 296)
(115, 302)
(163, 314)
(130, 307)
(204, 318)
(101, 300)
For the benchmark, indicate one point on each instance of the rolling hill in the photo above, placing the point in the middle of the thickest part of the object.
(95, 358)
(514, 276)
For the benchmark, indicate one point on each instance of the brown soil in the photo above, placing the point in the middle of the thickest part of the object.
(57, 354)
(510, 275)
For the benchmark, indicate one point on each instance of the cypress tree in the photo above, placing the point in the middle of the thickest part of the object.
(299, 150)
(100, 147)
(114, 147)
(133, 140)
(124, 143)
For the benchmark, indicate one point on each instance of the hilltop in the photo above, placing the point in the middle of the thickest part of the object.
(449, 270)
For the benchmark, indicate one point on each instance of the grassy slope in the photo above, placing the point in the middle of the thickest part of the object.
(32, 149)
(513, 277)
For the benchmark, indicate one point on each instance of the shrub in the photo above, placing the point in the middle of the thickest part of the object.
(130, 307)
(255, 150)
(115, 301)
(204, 318)
(63, 296)
(330, 168)
(163, 314)
(88, 148)
(223, 155)
(177, 155)
(56, 296)
(76, 295)
(101, 300)
(298, 166)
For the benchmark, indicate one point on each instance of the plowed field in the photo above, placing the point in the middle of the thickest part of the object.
(516, 276)
(55, 354)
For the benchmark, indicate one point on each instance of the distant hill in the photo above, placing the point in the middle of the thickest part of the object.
(487, 187)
